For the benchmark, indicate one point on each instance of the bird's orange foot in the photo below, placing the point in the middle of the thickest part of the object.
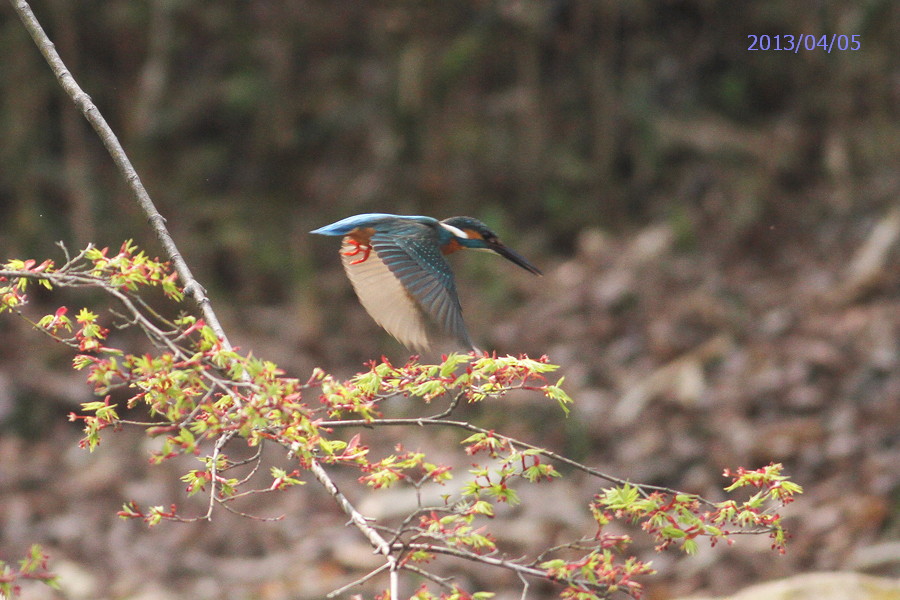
(358, 248)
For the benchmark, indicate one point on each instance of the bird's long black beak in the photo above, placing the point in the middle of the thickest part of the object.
(514, 256)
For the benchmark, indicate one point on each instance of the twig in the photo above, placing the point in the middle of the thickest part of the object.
(359, 521)
(247, 515)
(525, 585)
(360, 581)
(246, 461)
(490, 560)
(214, 472)
(448, 410)
(444, 582)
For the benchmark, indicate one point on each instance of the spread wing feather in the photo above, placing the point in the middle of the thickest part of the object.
(404, 279)
(385, 299)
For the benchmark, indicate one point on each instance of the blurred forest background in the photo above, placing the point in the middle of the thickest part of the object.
(718, 229)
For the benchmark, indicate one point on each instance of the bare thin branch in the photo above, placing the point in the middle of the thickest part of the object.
(90, 111)
(360, 581)
(488, 560)
(444, 582)
(525, 586)
(360, 521)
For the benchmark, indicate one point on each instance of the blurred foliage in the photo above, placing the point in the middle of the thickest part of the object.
(253, 122)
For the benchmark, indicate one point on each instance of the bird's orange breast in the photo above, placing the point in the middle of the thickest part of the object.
(452, 246)
(361, 235)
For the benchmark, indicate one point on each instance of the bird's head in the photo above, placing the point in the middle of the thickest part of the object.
(472, 233)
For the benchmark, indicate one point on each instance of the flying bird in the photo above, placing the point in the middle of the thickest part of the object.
(397, 267)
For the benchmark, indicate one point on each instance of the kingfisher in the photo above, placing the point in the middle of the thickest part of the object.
(397, 267)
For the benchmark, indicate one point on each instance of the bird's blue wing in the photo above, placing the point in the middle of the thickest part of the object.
(404, 278)
(416, 260)
(374, 220)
